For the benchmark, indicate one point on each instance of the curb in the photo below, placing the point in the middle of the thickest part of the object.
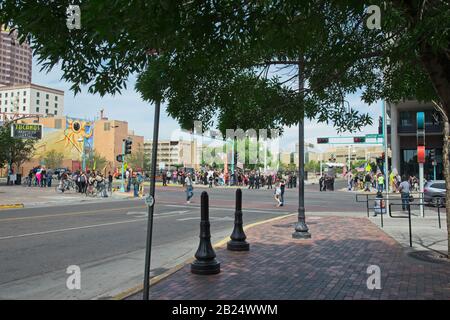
(11, 206)
(217, 245)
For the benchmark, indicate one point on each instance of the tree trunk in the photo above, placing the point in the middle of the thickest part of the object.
(438, 68)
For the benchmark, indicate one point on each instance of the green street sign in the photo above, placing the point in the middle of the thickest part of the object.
(373, 136)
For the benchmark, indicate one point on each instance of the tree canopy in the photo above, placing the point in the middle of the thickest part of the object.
(214, 60)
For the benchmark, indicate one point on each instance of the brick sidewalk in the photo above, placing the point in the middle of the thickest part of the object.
(332, 265)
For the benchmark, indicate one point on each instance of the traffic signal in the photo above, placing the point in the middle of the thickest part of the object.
(119, 158)
(128, 144)
(432, 154)
(421, 154)
(359, 139)
(322, 140)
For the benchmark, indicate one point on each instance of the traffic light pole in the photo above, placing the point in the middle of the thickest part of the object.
(122, 187)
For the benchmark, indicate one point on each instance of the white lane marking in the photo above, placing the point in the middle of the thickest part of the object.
(232, 209)
(142, 214)
(210, 218)
(70, 229)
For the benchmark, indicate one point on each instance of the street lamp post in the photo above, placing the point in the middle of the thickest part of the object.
(301, 228)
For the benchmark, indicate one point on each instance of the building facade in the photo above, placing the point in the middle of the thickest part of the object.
(30, 99)
(70, 136)
(402, 137)
(15, 60)
(173, 153)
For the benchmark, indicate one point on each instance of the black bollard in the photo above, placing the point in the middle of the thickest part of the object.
(205, 256)
(237, 242)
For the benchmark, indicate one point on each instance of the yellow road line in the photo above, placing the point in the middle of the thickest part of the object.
(171, 271)
(11, 206)
(68, 214)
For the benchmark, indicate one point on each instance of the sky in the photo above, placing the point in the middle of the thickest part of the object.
(128, 106)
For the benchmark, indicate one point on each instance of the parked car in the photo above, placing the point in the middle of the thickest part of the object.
(434, 192)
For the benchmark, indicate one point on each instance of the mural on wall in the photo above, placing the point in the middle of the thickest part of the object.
(77, 133)
(68, 141)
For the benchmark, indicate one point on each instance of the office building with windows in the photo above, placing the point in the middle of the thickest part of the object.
(402, 138)
(30, 99)
(15, 60)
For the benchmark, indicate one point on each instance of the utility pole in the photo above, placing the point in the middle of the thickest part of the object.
(301, 229)
(148, 250)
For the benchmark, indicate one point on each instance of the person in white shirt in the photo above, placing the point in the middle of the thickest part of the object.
(189, 188)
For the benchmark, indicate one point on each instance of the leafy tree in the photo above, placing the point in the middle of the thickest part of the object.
(53, 159)
(139, 159)
(12, 150)
(95, 161)
(215, 60)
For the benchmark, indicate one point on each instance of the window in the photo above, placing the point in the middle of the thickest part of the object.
(0, 95)
(24, 93)
(56, 112)
(47, 96)
(406, 119)
(106, 126)
(56, 98)
(24, 108)
(6, 94)
(56, 105)
(46, 111)
(438, 185)
(37, 101)
(37, 94)
(24, 100)
(46, 103)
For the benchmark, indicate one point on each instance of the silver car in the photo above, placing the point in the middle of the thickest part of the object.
(434, 192)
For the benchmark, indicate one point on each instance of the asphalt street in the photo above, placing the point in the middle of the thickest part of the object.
(107, 239)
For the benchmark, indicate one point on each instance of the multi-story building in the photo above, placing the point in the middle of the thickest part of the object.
(173, 153)
(30, 99)
(402, 131)
(15, 60)
(70, 135)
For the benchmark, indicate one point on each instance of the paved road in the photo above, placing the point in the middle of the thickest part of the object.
(107, 239)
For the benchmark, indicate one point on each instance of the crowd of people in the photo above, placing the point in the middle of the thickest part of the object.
(369, 181)
(250, 179)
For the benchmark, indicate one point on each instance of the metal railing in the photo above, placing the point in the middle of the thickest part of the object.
(395, 200)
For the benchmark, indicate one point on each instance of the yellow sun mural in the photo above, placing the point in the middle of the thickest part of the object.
(76, 132)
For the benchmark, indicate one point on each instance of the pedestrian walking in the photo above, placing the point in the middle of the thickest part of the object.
(277, 194)
(164, 179)
(135, 184)
(140, 181)
(282, 188)
(49, 178)
(189, 188)
(404, 189)
(322, 183)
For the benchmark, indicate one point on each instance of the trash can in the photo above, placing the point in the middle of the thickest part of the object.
(18, 179)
